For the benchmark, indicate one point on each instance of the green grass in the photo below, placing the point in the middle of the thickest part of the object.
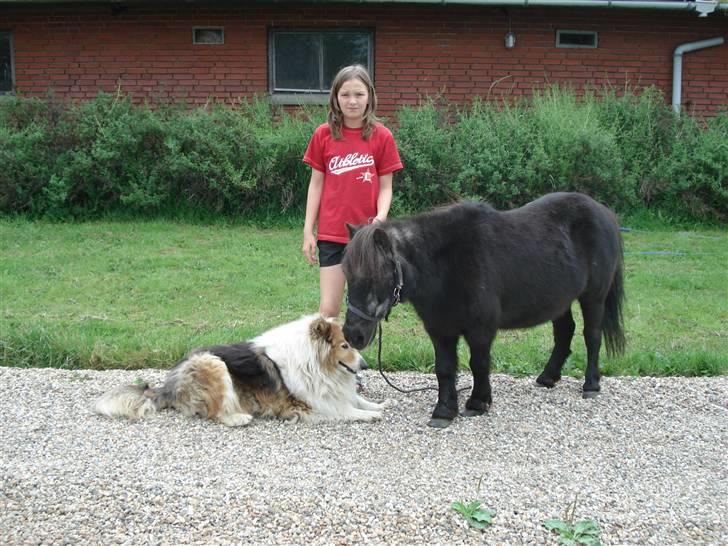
(135, 294)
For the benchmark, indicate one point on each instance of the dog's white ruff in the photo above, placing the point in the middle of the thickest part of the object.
(298, 355)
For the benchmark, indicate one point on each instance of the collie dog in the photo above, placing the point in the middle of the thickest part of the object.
(301, 371)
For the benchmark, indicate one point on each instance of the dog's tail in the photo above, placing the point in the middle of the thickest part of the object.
(128, 401)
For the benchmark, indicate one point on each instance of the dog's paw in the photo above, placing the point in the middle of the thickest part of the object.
(375, 416)
(389, 403)
(236, 419)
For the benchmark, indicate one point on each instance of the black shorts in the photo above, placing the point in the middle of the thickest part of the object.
(330, 253)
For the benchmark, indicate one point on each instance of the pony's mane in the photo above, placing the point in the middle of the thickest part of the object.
(362, 257)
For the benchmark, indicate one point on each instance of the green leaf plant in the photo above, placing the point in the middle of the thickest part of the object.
(584, 532)
(473, 511)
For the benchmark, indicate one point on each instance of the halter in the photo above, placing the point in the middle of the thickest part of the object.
(394, 300)
(347, 368)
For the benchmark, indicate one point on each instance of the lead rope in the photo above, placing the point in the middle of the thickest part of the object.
(395, 387)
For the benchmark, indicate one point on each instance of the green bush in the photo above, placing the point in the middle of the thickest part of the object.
(575, 151)
(424, 140)
(693, 177)
(27, 153)
(108, 155)
(497, 154)
(113, 162)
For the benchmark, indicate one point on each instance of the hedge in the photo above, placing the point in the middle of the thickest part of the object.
(76, 161)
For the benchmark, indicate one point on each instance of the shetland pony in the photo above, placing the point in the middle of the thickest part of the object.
(470, 270)
(301, 371)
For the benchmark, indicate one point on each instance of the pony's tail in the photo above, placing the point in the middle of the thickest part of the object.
(128, 401)
(613, 322)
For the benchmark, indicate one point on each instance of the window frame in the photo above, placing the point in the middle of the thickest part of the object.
(306, 96)
(194, 35)
(593, 33)
(11, 42)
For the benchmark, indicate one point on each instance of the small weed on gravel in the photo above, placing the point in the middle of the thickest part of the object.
(473, 512)
(585, 532)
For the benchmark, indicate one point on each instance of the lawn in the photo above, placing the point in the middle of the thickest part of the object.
(140, 294)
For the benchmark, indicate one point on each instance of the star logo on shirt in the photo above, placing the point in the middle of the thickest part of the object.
(366, 176)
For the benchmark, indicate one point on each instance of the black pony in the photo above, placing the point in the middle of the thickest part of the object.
(470, 270)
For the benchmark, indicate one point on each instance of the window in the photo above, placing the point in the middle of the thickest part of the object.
(576, 38)
(302, 63)
(7, 66)
(208, 35)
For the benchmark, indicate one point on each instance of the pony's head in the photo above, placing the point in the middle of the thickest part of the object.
(374, 278)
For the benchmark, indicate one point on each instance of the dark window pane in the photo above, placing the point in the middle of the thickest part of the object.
(209, 36)
(6, 70)
(296, 62)
(576, 39)
(341, 51)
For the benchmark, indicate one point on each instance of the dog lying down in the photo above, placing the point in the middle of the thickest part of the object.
(300, 371)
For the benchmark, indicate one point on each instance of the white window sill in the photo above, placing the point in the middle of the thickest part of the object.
(297, 99)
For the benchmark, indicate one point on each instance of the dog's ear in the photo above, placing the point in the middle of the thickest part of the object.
(321, 329)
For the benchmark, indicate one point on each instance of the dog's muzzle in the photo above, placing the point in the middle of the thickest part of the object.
(347, 368)
(362, 366)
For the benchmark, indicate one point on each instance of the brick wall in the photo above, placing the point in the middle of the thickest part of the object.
(420, 50)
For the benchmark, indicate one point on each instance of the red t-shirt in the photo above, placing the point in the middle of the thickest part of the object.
(352, 167)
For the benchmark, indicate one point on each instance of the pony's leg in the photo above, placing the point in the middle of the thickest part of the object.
(446, 365)
(564, 327)
(481, 397)
(593, 313)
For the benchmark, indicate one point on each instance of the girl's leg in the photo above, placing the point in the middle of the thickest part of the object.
(332, 282)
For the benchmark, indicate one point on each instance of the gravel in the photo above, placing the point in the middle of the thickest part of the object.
(647, 460)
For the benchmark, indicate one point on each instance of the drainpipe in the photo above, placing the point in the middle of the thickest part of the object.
(677, 65)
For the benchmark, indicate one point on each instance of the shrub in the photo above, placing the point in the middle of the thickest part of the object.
(693, 177)
(424, 140)
(114, 161)
(497, 154)
(107, 155)
(577, 152)
(28, 141)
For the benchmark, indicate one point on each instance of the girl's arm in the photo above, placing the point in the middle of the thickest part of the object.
(384, 201)
(313, 200)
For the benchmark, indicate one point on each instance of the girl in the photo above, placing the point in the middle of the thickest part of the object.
(352, 160)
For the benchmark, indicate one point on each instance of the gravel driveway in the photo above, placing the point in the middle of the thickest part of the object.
(648, 460)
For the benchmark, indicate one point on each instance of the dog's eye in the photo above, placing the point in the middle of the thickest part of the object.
(344, 345)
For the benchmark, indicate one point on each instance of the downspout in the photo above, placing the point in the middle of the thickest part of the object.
(677, 65)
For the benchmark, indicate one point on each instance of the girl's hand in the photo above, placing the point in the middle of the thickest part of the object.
(309, 247)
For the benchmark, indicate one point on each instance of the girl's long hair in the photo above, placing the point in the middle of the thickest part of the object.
(336, 117)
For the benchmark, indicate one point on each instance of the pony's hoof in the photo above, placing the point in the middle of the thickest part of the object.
(589, 394)
(437, 422)
(544, 381)
(474, 407)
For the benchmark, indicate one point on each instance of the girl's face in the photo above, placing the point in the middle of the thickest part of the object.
(353, 98)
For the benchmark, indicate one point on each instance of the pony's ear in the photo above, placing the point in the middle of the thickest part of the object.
(352, 229)
(381, 239)
(321, 329)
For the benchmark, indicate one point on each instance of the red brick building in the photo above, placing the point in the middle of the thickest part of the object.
(230, 49)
